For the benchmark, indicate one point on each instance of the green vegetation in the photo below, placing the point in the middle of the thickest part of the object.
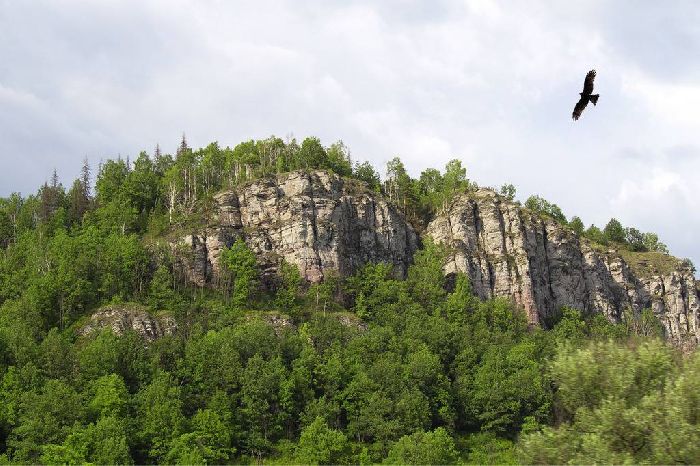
(369, 368)
(620, 404)
(650, 263)
(614, 234)
(544, 207)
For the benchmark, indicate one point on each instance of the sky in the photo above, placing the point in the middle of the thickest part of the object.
(492, 83)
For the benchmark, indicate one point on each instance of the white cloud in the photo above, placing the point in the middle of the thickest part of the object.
(664, 202)
(490, 82)
(673, 103)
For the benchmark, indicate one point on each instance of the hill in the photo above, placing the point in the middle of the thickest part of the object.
(276, 303)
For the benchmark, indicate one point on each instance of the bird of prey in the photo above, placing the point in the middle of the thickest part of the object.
(586, 95)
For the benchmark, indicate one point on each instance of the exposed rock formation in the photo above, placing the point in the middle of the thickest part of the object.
(322, 223)
(317, 221)
(122, 318)
(508, 251)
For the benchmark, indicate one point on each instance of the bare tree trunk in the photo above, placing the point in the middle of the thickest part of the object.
(171, 206)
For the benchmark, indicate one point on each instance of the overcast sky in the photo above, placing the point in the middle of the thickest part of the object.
(491, 83)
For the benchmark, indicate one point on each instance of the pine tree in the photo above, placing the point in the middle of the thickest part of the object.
(183, 146)
(85, 173)
(50, 196)
(54, 179)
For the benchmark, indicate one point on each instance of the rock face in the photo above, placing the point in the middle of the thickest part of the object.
(509, 251)
(327, 224)
(122, 318)
(317, 221)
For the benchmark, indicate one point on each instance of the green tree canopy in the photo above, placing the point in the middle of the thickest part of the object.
(436, 447)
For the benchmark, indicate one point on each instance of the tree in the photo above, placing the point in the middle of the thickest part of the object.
(399, 186)
(109, 397)
(635, 240)
(44, 417)
(79, 196)
(240, 267)
(57, 355)
(426, 277)
(508, 191)
(586, 377)
(431, 191)
(141, 186)
(542, 206)
(461, 299)
(159, 410)
(436, 447)
(365, 172)
(161, 294)
(571, 328)
(594, 234)
(455, 178)
(609, 415)
(11, 224)
(183, 147)
(507, 388)
(287, 292)
(208, 442)
(124, 263)
(644, 323)
(103, 442)
(52, 197)
(108, 440)
(312, 155)
(78, 203)
(651, 243)
(375, 293)
(675, 437)
(260, 403)
(339, 159)
(614, 232)
(577, 225)
(487, 448)
(6, 230)
(318, 444)
(161, 161)
(110, 181)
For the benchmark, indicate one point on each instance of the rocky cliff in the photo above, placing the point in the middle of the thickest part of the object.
(509, 251)
(317, 221)
(324, 223)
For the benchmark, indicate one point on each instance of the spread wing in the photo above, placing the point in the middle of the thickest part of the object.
(588, 83)
(578, 109)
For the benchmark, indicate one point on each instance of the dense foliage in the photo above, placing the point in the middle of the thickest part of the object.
(614, 234)
(365, 369)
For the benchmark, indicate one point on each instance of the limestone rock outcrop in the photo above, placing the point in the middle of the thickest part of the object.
(125, 317)
(316, 220)
(509, 251)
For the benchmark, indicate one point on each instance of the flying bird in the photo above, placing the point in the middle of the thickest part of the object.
(586, 95)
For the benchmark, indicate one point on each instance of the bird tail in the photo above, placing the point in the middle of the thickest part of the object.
(594, 98)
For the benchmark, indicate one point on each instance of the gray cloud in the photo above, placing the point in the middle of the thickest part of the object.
(492, 83)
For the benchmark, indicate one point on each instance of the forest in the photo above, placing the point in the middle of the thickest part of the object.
(366, 369)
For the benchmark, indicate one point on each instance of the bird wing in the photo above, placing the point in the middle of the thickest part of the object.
(588, 83)
(578, 109)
